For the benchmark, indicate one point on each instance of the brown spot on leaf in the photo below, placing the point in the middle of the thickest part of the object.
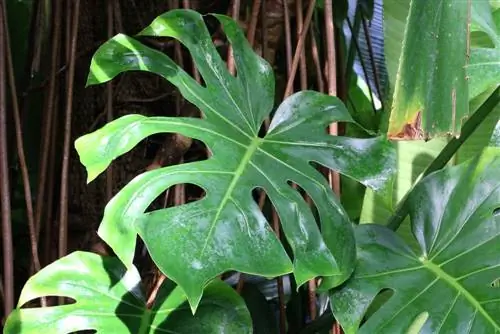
(410, 131)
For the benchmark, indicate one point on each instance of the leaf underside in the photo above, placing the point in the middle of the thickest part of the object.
(226, 230)
(449, 283)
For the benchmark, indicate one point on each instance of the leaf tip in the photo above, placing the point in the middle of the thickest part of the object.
(194, 301)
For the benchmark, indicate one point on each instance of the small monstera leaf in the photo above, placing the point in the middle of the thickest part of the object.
(108, 299)
(447, 286)
(226, 230)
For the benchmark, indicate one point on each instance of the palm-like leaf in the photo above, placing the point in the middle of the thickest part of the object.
(108, 298)
(226, 230)
(447, 284)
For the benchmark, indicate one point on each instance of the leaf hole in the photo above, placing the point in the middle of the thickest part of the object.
(306, 198)
(262, 131)
(496, 212)
(50, 300)
(177, 195)
(418, 323)
(495, 283)
(382, 297)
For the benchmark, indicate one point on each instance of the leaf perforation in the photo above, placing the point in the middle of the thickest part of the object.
(409, 302)
(162, 173)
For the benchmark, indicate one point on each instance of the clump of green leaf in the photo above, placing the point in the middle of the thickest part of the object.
(226, 230)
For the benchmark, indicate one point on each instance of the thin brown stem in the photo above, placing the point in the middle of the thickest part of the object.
(117, 17)
(138, 13)
(67, 44)
(20, 150)
(330, 49)
(303, 86)
(2, 295)
(49, 112)
(8, 251)
(154, 291)
(333, 177)
(288, 39)
(235, 14)
(63, 215)
(49, 213)
(300, 46)
(302, 59)
(316, 61)
(265, 48)
(254, 18)
(36, 38)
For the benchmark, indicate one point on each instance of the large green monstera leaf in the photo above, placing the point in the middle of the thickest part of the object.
(448, 285)
(108, 299)
(226, 230)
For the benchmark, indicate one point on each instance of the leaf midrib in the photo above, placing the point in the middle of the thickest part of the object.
(245, 161)
(441, 274)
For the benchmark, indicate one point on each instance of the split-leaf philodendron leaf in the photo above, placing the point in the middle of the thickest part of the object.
(448, 285)
(108, 299)
(226, 230)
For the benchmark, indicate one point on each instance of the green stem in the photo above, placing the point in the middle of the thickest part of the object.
(447, 153)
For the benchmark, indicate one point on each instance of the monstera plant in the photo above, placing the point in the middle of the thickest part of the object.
(445, 279)
(225, 230)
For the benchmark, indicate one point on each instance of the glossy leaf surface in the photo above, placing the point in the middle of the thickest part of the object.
(446, 285)
(484, 67)
(226, 229)
(108, 299)
(483, 70)
(395, 16)
(495, 137)
(482, 19)
(430, 97)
